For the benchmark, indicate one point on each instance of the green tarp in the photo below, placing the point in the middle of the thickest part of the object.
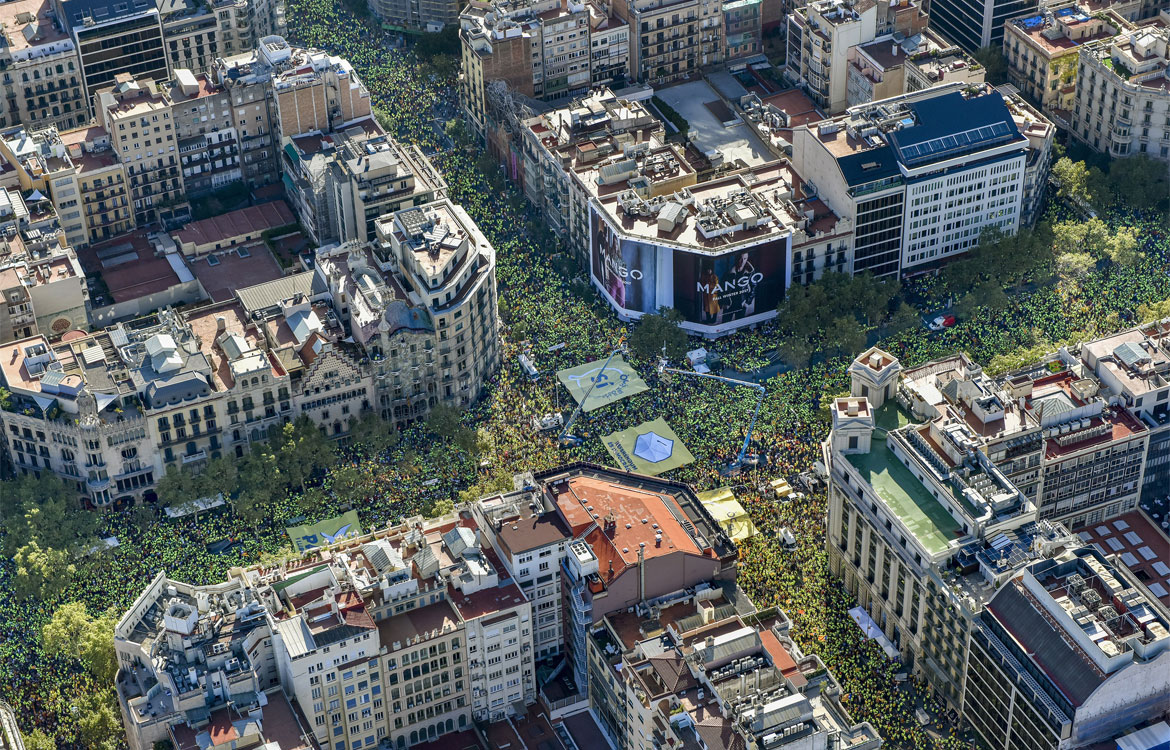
(650, 448)
(325, 532)
(617, 382)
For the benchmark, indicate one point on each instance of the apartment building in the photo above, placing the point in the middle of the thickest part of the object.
(313, 91)
(819, 38)
(672, 39)
(205, 133)
(544, 49)
(394, 638)
(445, 263)
(886, 68)
(41, 80)
(1072, 651)
(101, 183)
(975, 24)
(1134, 366)
(42, 285)
(372, 175)
(1043, 52)
(1122, 103)
(190, 34)
(923, 174)
(1078, 459)
(742, 28)
(71, 415)
(704, 668)
(44, 169)
(132, 29)
(248, 79)
(609, 49)
(137, 115)
(426, 15)
(588, 131)
(243, 23)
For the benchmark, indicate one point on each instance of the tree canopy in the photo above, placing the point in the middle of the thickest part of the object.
(658, 330)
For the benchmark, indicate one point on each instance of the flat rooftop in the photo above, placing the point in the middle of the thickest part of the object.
(905, 495)
(46, 32)
(233, 270)
(417, 622)
(768, 180)
(1140, 546)
(737, 142)
(128, 265)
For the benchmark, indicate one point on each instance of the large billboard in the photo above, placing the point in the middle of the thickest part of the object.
(625, 269)
(322, 533)
(650, 448)
(720, 289)
(616, 382)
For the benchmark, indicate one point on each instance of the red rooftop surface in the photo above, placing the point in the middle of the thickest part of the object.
(232, 272)
(235, 225)
(795, 103)
(144, 275)
(637, 517)
(487, 601)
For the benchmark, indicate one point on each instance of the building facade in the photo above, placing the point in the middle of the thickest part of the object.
(41, 80)
(1122, 104)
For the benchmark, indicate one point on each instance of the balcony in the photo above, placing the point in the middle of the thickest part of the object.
(190, 458)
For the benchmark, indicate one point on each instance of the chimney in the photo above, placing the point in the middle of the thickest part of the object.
(641, 572)
(220, 325)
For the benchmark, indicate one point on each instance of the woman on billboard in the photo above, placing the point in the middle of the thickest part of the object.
(709, 283)
(743, 275)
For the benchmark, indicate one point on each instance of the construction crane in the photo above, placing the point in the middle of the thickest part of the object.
(732, 469)
(566, 439)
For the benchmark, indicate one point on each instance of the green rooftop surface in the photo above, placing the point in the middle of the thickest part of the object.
(900, 490)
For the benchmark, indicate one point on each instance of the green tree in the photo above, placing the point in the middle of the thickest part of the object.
(1072, 267)
(178, 488)
(1122, 246)
(1139, 181)
(1091, 237)
(869, 297)
(72, 633)
(654, 332)
(261, 481)
(351, 484)
(996, 65)
(301, 450)
(444, 421)
(844, 337)
(1154, 311)
(98, 724)
(45, 510)
(41, 573)
(38, 740)
(372, 432)
(904, 318)
(1073, 179)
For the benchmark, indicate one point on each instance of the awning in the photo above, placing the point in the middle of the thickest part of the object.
(45, 402)
(105, 399)
(36, 195)
(873, 632)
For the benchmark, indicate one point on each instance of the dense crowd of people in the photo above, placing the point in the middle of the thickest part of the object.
(711, 418)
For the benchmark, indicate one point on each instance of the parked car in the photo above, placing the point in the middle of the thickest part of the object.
(941, 322)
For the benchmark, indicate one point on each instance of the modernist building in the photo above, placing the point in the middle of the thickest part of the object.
(922, 175)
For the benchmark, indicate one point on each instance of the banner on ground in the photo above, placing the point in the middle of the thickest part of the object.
(650, 448)
(322, 533)
(618, 381)
(725, 509)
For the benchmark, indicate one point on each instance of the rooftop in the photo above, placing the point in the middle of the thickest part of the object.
(925, 517)
(235, 225)
(30, 24)
(130, 267)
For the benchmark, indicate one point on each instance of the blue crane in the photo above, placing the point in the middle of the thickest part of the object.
(733, 468)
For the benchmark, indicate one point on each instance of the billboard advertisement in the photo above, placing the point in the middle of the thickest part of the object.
(329, 531)
(625, 269)
(716, 290)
